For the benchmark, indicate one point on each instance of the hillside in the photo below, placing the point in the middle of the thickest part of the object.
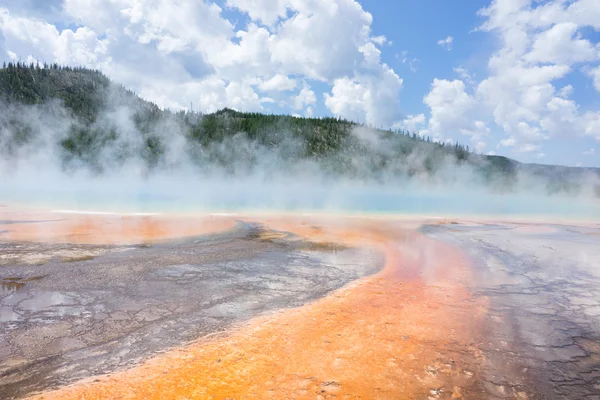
(93, 123)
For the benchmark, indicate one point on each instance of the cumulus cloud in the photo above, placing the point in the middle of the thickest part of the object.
(306, 97)
(591, 124)
(265, 11)
(454, 111)
(528, 148)
(39, 40)
(278, 83)
(594, 73)
(449, 105)
(370, 98)
(380, 40)
(49, 10)
(446, 43)
(565, 92)
(478, 133)
(560, 45)
(519, 147)
(189, 52)
(540, 44)
(508, 142)
(411, 123)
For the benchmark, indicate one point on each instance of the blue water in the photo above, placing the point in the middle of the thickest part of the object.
(246, 197)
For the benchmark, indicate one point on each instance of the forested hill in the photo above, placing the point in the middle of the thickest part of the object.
(92, 122)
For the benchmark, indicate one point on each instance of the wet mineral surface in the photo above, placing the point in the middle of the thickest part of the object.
(542, 286)
(366, 308)
(73, 311)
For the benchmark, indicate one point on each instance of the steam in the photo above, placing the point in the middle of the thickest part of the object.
(237, 173)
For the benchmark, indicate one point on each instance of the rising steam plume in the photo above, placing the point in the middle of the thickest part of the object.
(101, 145)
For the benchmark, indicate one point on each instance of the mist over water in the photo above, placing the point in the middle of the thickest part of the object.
(180, 194)
(240, 174)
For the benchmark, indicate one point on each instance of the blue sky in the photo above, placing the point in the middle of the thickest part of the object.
(519, 78)
(416, 27)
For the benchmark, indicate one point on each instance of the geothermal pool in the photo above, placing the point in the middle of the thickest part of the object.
(172, 196)
(245, 306)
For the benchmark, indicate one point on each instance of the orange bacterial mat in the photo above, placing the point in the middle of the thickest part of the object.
(409, 332)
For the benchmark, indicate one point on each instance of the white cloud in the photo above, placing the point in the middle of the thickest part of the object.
(449, 105)
(242, 97)
(529, 148)
(540, 43)
(323, 40)
(175, 53)
(411, 123)
(565, 92)
(347, 99)
(188, 51)
(265, 11)
(590, 122)
(278, 83)
(171, 26)
(508, 142)
(584, 12)
(594, 73)
(454, 111)
(42, 41)
(267, 100)
(558, 45)
(304, 98)
(380, 40)
(561, 118)
(446, 43)
(518, 147)
(465, 75)
(589, 152)
(478, 132)
(372, 98)
(208, 95)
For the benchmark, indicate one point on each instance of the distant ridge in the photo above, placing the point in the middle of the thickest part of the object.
(89, 105)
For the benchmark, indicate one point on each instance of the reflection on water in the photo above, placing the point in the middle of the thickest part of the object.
(12, 284)
(44, 300)
(16, 302)
(39, 306)
(8, 314)
(7, 286)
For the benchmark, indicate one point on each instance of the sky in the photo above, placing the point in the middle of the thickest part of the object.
(519, 78)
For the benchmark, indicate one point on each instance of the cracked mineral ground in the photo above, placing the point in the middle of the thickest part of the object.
(297, 307)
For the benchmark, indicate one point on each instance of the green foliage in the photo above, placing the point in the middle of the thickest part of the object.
(86, 145)
(87, 93)
(89, 97)
(154, 148)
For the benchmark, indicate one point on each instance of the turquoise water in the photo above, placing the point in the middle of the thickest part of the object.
(347, 199)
